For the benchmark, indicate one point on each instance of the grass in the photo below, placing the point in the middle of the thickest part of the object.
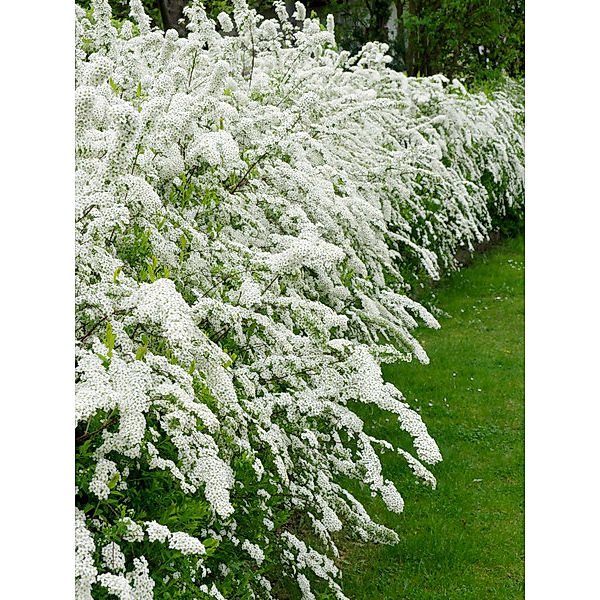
(464, 540)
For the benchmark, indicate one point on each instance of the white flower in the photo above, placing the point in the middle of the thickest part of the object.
(225, 22)
(300, 13)
(157, 532)
(113, 558)
(254, 551)
(185, 543)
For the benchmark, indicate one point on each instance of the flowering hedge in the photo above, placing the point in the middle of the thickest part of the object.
(253, 209)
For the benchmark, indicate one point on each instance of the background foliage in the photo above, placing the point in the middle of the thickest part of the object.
(472, 39)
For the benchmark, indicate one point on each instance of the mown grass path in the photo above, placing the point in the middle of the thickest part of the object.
(465, 540)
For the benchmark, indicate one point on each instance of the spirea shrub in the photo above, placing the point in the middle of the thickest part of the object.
(253, 208)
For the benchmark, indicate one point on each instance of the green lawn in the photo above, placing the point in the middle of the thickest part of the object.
(465, 540)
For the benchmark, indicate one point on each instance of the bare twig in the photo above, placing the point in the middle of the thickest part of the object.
(248, 171)
(253, 54)
(82, 438)
(87, 335)
(263, 155)
(271, 283)
(86, 212)
(139, 147)
(192, 69)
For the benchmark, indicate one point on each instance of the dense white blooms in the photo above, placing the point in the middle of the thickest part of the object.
(85, 570)
(304, 585)
(330, 23)
(105, 471)
(140, 17)
(133, 531)
(254, 551)
(116, 585)
(113, 558)
(135, 585)
(185, 543)
(300, 13)
(157, 532)
(225, 22)
(252, 212)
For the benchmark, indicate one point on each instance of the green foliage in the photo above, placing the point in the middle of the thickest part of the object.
(356, 22)
(144, 489)
(155, 496)
(471, 39)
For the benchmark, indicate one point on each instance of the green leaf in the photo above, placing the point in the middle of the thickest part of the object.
(105, 360)
(115, 478)
(110, 338)
(140, 352)
(151, 274)
(116, 89)
(116, 275)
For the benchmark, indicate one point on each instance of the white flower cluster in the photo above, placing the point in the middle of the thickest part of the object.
(254, 551)
(252, 212)
(112, 557)
(133, 585)
(85, 570)
(185, 543)
(136, 584)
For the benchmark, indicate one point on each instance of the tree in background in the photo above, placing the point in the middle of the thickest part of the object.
(357, 21)
(470, 38)
(171, 12)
